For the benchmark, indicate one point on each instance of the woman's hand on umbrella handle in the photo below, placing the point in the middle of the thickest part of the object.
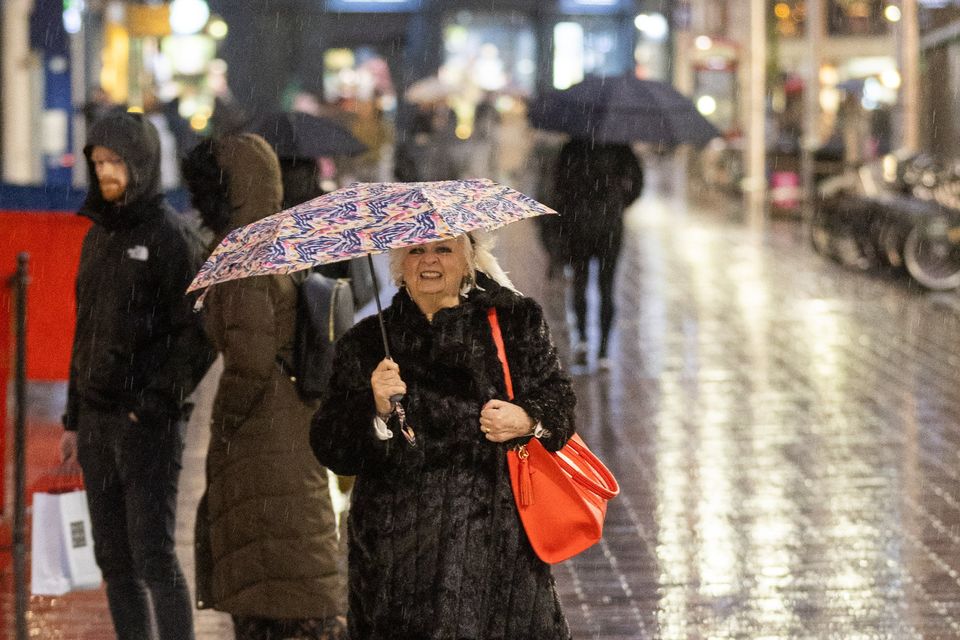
(501, 421)
(386, 384)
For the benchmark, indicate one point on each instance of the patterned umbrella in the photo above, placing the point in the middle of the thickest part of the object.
(364, 218)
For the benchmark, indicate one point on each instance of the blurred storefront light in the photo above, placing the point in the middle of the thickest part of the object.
(829, 75)
(706, 105)
(73, 15)
(652, 25)
(703, 43)
(890, 78)
(892, 13)
(188, 55)
(568, 59)
(188, 17)
(829, 99)
(217, 29)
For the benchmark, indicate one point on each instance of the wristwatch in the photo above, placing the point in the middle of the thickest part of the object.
(539, 431)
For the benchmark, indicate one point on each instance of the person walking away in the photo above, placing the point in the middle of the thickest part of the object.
(594, 185)
(267, 511)
(436, 546)
(138, 352)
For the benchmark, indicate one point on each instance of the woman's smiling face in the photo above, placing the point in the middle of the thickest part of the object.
(433, 273)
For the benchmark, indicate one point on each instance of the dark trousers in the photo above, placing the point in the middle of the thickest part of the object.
(131, 471)
(253, 628)
(606, 270)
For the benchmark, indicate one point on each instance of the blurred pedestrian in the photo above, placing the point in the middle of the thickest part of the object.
(429, 150)
(853, 123)
(138, 352)
(372, 129)
(594, 184)
(169, 153)
(98, 105)
(267, 513)
(543, 168)
(437, 549)
(481, 148)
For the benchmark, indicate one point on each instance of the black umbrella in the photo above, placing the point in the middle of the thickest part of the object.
(623, 109)
(301, 135)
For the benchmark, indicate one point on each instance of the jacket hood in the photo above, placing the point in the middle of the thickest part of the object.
(133, 138)
(255, 186)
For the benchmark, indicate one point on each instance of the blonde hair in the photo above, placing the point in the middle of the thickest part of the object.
(478, 250)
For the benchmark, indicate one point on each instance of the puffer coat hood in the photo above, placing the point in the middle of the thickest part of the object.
(255, 186)
(135, 139)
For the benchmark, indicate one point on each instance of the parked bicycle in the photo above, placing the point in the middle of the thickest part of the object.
(901, 212)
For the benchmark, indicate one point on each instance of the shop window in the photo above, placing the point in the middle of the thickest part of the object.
(856, 18)
(488, 56)
(587, 46)
(489, 52)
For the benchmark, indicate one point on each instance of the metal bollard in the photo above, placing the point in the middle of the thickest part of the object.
(19, 284)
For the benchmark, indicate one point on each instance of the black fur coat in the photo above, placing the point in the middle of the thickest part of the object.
(437, 550)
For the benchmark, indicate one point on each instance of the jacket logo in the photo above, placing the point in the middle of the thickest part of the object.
(138, 252)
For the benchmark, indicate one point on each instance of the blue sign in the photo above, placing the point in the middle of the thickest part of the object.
(373, 6)
(586, 7)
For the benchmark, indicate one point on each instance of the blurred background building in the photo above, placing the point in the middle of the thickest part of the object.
(196, 65)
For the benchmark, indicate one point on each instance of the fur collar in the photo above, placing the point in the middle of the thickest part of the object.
(458, 337)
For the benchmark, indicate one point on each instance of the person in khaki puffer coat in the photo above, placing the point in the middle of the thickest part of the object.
(272, 535)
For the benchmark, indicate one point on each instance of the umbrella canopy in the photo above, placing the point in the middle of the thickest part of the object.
(294, 134)
(624, 109)
(361, 219)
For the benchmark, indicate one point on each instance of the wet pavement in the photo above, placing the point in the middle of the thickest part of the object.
(786, 434)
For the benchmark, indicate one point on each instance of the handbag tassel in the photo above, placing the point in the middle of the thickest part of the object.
(526, 486)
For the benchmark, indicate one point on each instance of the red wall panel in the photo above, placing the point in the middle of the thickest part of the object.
(53, 241)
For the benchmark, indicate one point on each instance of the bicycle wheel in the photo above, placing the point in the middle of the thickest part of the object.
(930, 257)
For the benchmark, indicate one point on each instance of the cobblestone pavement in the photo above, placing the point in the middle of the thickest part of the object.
(785, 433)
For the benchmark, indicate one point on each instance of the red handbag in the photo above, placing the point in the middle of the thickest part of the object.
(561, 497)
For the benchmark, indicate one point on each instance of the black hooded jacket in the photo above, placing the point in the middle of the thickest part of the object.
(138, 344)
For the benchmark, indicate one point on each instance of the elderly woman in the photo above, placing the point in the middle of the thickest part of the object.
(437, 549)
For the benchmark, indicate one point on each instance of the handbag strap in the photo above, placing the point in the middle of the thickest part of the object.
(609, 489)
(574, 445)
(501, 351)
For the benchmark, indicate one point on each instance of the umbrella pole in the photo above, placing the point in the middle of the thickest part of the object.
(383, 327)
(376, 296)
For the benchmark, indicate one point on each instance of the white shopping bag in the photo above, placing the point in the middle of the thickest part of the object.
(61, 550)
